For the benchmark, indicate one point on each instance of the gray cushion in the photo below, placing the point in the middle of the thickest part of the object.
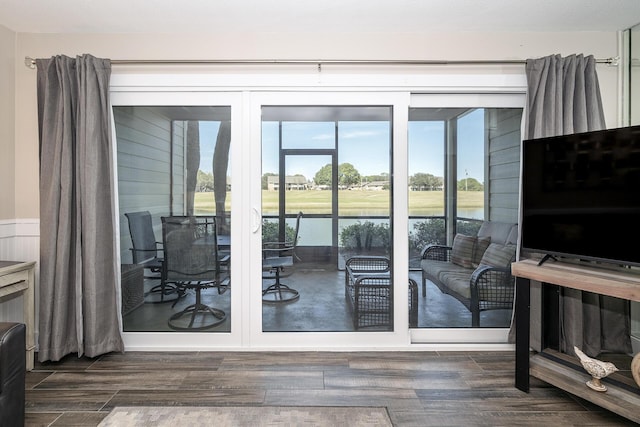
(462, 250)
(460, 283)
(500, 232)
(498, 255)
(432, 269)
(457, 282)
(481, 245)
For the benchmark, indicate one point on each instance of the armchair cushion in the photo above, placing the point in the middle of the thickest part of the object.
(457, 283)
(498, 255)
(437, 269)
(481, 246)
(462, 252)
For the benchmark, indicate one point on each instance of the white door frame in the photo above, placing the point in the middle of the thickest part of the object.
(199, 340)
(334, 340)
(454, 338)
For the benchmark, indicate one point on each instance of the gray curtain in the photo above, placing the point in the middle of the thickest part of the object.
(78, 304)
(563, 97)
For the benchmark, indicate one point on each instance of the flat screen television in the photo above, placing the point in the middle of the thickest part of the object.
(581, 196)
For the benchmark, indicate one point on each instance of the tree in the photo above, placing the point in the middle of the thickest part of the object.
(204, 181)
(348, 175)
(430, 231)
(265, 179)
(323, 176)
(438, 183)
(470, 184)
(425, 182)
(380, 177)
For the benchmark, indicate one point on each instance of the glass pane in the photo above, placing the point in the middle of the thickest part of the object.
(470, 154)
(426, 186)
(173, 162)
(308, 135)
(308, 184)
(332, 164)
(364, 194)
(270, 167)
(364, 167)
(475, 151)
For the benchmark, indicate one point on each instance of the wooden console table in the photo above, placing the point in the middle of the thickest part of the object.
(18, 277)
(550, 365)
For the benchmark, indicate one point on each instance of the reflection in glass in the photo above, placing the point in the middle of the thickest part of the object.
(470, 154)
(194, 263)
(172, 161)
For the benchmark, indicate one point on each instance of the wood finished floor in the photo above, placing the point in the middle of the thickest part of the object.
(417, 388)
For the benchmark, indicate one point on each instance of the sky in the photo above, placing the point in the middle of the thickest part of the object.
(365, 145)
(208, 135)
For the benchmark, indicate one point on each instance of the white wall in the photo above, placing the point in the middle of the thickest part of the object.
(7, 122)
(18, 238)
(10, 309)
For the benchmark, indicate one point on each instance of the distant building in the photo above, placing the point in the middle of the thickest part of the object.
(426, 188)
(291, 183)
(375, 185)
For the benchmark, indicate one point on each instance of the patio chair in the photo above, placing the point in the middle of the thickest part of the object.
(192, 262)
(368, 289)
(277, 260)
(146, 251)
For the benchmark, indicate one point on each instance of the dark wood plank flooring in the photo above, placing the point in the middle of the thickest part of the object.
(417, 388)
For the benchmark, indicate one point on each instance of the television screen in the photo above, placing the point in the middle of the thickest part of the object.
(581, 195)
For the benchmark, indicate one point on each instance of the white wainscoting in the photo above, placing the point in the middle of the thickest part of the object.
(19, 241)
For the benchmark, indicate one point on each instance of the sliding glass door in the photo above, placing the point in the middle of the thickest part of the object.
(326, 171)
(176, 212)
(341, 182)
(325, 175)
(463, 170)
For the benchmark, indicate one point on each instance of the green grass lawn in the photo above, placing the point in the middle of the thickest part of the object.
(350, 202)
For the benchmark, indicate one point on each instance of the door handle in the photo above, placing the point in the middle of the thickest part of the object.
(256, 220)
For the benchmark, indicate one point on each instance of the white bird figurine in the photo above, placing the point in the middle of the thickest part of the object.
(596, 368)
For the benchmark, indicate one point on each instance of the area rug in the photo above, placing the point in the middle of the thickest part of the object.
(289, 416)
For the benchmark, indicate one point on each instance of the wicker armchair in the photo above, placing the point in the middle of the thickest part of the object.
(369, 293)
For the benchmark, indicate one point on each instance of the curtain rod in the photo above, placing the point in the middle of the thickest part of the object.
(31, 63)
